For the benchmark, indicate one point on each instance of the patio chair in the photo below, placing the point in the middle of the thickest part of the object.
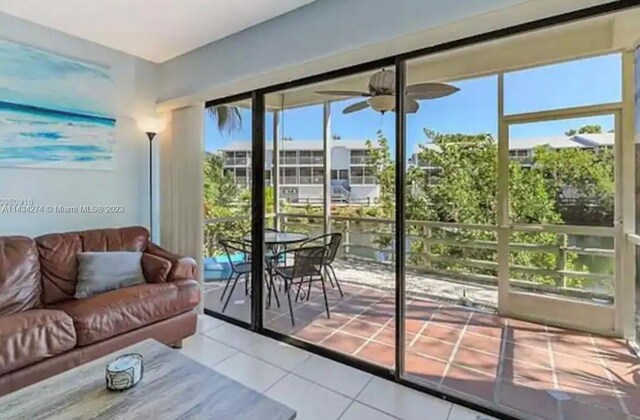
(332, 241)
(307, 266)
(238, 268)
(243, 268)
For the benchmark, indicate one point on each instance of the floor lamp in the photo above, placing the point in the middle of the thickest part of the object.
(151, 127)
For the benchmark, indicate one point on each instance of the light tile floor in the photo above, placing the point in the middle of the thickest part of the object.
(316, 387)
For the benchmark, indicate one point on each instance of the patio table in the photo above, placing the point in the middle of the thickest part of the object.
(276, 241)
(279, 238)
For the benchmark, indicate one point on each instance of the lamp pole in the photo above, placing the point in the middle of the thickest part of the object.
(151, 135)
(151, 127)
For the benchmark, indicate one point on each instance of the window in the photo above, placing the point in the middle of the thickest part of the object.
(305, 176)
(370, 176)
(317, 157)
(241, 158)
(305, 157)
(289, 157)
(318, 176)
(342, 174)
(360, 157)
(520, 155)
(357, 176)
(288, 176)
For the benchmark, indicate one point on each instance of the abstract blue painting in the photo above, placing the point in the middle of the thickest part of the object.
(55, 111)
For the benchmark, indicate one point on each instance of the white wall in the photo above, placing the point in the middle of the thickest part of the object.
(362, 192)
(330, 34)
(136, 83)
(340, 158)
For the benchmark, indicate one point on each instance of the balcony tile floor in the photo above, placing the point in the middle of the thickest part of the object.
(522, 368)
(316, 387)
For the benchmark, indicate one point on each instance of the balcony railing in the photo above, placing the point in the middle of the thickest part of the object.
(363, 180)
(289, 160)
(311, 160)
(289, 180)
(456, 255)
(361, 160)
(236, 161)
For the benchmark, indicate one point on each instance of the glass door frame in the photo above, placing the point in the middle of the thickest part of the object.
(230, 101)
(550, 309)
(258, 148)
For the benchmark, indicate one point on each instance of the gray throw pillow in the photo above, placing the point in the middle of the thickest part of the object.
(99, 272)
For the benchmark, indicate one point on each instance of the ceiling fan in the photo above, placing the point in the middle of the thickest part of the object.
(382, 94)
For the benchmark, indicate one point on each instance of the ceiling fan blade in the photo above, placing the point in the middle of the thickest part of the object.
(358, 106)
(411, 106)
(430, 90)
(343, 93)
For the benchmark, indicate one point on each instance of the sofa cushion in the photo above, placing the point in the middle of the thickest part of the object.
(59, 255)
(31, 336)
(59, 265)
(99, 272)
(20, 288)
(156, 269)
(113, 313)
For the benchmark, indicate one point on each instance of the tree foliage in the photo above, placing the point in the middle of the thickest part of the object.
(228, 118)
(585, 129)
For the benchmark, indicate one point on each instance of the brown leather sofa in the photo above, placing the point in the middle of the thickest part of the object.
(45, 331)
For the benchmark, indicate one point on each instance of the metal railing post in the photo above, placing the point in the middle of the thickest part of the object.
(427, 245)
(561, 260)
(347, 239)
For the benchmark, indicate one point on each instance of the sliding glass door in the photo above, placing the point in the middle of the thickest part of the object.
(227, 199)
(333, 147)
(513, 234)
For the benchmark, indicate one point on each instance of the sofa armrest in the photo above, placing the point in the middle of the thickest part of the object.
(188, 292)
(182, 268)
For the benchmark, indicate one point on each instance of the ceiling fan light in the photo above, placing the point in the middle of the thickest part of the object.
(383, 103)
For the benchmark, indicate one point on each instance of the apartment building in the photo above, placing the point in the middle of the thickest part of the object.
(302, 170)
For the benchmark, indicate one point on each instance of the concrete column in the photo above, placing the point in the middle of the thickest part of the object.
(275, 176)
(326, 130)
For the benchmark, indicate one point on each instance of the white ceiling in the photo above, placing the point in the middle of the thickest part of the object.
(157, 30)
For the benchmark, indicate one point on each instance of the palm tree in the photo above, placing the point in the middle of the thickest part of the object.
(229, 118)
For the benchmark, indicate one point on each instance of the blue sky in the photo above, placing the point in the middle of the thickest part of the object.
(31, 76)
(471, 110)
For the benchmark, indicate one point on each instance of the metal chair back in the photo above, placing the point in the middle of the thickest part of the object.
(231, 245)
(308, 261)
(333, 247)
(331, 242)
